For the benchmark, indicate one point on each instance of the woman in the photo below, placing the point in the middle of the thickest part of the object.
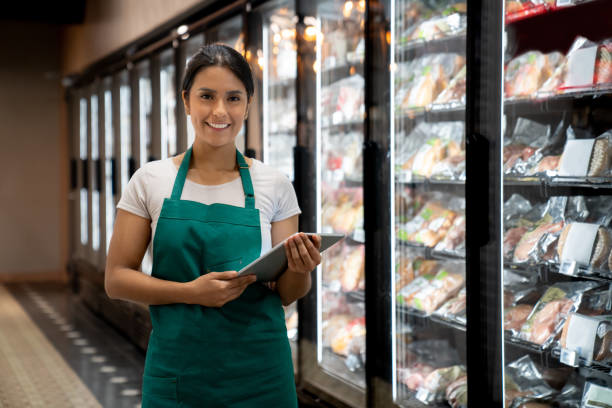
(218, 340)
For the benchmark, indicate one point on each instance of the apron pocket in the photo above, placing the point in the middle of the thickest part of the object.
(155, 389)
(231, 265)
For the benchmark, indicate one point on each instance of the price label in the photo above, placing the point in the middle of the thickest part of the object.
(568, 268)
(564, 3)
(359, 235)
(569, 357)
(423, 395)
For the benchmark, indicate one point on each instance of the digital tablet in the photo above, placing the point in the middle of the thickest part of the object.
(274, 262)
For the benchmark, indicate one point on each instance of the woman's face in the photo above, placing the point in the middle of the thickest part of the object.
(218, 104)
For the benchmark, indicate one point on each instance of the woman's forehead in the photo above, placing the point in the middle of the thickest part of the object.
(217, 78)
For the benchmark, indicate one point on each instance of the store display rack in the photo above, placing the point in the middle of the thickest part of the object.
(418, 48)
(431, 253)
(546, 271)
(335, 74)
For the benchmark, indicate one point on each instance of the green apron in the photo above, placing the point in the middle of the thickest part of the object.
(237, 355)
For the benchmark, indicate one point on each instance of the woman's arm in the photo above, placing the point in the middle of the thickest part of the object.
(303, 257)
(122, 280)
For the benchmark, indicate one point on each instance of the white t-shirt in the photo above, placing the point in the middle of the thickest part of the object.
(152, 183)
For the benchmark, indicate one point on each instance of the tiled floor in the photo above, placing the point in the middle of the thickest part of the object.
(106, 362)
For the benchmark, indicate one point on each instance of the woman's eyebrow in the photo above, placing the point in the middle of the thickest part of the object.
(233, 92)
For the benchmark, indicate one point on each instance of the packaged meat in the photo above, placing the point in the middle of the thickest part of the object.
(353, 269)
(408, 292)
(548, 315)
(450, 21)
(529, 246)
(524, 383)
(434, 386)
(442, 287)
(454, 93)
(414, 375)
(432, 223)
(456, 393)
(603, 64)
(454, 241)
(588, 336)
(511, 238)
(526, 74)
(332, 326)
(407, 269)
(588, 244)
(547, 165)
(344, 337)
(586, 157)
(454, 308)
(343, 268)
(515, 317)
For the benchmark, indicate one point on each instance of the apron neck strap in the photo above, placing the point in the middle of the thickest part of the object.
(247, 184)
(245, 175)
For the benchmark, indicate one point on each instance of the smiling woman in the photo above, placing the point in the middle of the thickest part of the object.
(206, 213)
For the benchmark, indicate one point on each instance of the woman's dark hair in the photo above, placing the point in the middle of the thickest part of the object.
(219, 55)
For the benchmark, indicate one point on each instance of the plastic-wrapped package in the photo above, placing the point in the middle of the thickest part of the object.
(596, 396)
(456, 393)
(433, 149)
(526, 73)
(603, 64)
(538, 244)
(342, 209)
(520, 151)
(454, 94)
(444, 285)
(343, 342)
(451, 21)
(408, 268)
(576, 78)
(430, 225)
(343, 101)
(548, 315)
(434, 386)
(343, 268)
(589, 336)
(586, 157)
(454, 241)
(524, 383)
(454, 308)
(413, 375)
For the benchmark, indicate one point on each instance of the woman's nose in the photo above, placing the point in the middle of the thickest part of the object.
(219, 108)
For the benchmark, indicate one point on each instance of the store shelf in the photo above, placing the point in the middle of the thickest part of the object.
(542, 9)
(331, 75)
(558, 103)
(336, 365)
(453, 43)
(431, 253)
(343, 126)
(431, 184)
(549, 186)
(432, 113)
(409, 399)
(546, 270)
(604, 367)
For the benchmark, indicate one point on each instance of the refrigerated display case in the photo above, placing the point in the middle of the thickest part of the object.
(276, 79)
(428, 227)
(556, 214)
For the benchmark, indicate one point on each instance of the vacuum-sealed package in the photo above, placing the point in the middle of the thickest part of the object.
(585, 244)
(456, 393)
(444, 285)
(524, 383)
(454, 308)
(588, 337)
(596, 396)
(433, 389)
(526, 73)
(586, 157)
(549, 314)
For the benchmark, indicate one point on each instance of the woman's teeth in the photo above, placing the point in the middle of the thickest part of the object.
(218, 125)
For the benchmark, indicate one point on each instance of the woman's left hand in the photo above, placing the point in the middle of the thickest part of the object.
(303, 253)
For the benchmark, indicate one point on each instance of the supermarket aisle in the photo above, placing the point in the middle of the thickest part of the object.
(55, 353)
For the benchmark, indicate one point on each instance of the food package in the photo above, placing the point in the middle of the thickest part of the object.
(433, 389)
(343, 269)
(332, 326)
(524, 383)
(408, 292)
(342, 209)
(603, 64)
(511, 238)
(456, 393)
(548, 315)
(454, 308)
(451, 21)
(589, 336)
(343, 101)
(346, 336)
(433, 149)
(526, 73)
(420, 81)
(454, 94)
(515, 317)
(343, 158)
(454, 241)
(414, 375)
(579, 73)
(430, 225)
(444, 285)
(520, 8)
(537, 243)
(519, 287)
(589, 244)
(596, 396)
(586, 157)
(408, 268)
(522, 149)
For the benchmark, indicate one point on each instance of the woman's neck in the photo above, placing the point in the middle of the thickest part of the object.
(205, 158)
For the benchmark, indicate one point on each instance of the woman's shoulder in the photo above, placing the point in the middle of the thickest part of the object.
(156, 170)
(266, 170)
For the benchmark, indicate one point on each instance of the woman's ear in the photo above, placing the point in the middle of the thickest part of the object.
(185, 97)
(246, 114)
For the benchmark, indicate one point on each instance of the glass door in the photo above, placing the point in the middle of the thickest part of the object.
(428, 89)
(190, 47)
(276, 77)
(556, 203)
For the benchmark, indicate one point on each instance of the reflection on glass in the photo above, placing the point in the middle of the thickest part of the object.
(109, 146)
(125, 100)
(428, 224)
(168, 105)
(95, 194)
(83, 157)
(191, 46)
(279, 74)
(144, 112)
(340, 113)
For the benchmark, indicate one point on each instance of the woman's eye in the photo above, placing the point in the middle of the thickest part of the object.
(206, 96)
(234, 98)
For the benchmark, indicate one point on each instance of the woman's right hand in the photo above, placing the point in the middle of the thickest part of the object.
(215, 289)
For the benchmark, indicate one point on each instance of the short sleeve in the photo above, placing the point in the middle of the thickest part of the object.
(134, 197)
(286, 200)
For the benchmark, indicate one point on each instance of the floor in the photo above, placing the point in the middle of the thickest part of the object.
(105, 362)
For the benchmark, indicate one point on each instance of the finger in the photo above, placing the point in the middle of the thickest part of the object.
(290, 263)
(227, 275)
(304, 254)
(295, 253)
(317, 241)
(241, 281)
(313, 251)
